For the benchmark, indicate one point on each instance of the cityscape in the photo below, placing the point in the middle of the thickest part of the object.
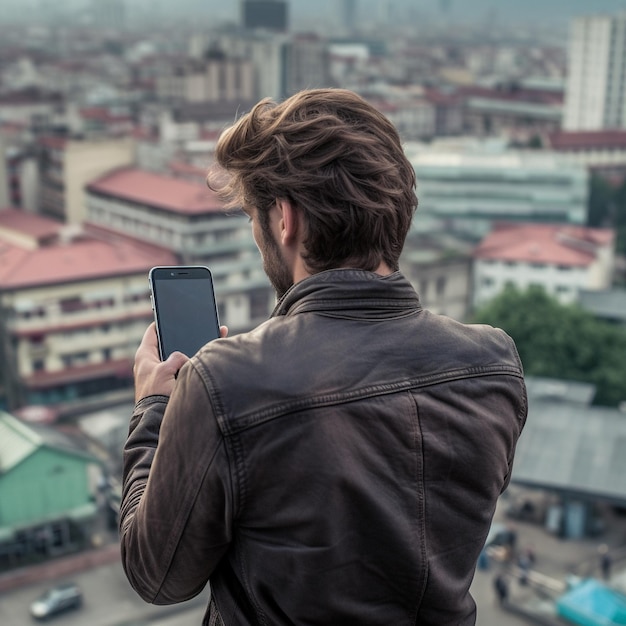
(514, 119)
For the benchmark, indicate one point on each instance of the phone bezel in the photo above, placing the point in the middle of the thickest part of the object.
(174, 272)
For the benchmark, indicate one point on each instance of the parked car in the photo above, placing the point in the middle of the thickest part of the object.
(58, 599)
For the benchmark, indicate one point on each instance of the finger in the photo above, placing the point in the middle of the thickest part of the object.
(223, 331)
(149, 339)
(175, 361)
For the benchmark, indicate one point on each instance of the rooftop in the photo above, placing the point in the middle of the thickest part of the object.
(156, 190)
(19, 440)
(71, 257)
(587, 140)
(30, 224)
(609, 304)
(573, 448)
(549, 244)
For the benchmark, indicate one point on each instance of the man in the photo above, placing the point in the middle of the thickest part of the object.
(341, 463)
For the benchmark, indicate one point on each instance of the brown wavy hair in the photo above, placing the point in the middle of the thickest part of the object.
(338, 160)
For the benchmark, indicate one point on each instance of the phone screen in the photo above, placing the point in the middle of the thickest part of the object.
(184, 308)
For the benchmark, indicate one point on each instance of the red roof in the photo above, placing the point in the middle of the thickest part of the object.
(549, 244)
(156, 190)
(23, 222)
(587, 140)
(515, 94)
(86, 258)
(101, 114)
(52, 141)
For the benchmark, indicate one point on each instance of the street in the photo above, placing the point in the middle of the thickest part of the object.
(108, 601)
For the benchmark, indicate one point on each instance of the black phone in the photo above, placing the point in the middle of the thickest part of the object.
(184, 307)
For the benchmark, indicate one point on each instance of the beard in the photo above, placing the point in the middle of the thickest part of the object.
(273, 263)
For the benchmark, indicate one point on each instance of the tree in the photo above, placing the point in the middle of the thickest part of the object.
(561, 341)
(607, 208)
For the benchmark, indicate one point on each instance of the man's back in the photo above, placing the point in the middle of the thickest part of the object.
(366, 456)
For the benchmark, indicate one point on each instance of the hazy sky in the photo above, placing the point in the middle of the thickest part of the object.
(506, 10)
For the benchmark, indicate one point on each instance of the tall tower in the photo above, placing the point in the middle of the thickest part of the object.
(348, 14)
(109, 13)
(595, 94)
(265, 14)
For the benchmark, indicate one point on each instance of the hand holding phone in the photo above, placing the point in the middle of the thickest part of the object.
(184, 306)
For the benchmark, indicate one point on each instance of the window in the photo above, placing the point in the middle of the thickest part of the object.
(71, 305)
(259, 304)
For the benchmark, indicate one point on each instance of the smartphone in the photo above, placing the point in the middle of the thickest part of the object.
(185, 312)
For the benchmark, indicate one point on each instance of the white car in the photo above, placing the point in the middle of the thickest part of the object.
(57, 600)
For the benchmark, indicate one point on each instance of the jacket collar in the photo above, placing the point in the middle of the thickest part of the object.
(345, 289)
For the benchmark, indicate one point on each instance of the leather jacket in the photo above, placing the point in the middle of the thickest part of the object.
(339, 464)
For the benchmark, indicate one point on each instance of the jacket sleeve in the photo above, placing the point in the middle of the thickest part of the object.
(176, 509)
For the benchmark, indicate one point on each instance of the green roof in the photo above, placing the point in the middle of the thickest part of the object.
(18, 440)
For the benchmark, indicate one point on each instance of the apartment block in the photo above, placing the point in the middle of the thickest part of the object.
(469, 185)
(563, 259)
(66, 165)
(595, 95)
(74, 309)
(189, 220)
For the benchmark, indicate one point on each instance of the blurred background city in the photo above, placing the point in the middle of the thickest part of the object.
(514, 116)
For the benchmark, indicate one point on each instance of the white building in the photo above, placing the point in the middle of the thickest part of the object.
(598, 149)
(469, 185)
(73, 309)
(188, 219)
(595, 96)
(562, 259)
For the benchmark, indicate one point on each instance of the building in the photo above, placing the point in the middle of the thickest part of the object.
(40, 109)
(563, 259)
(468, 185)
(109, 14)
(48, 492)
(66, 165)
(572, 450)
(595, 96)
(306, 63)
(74, 309)
(265, 14)
(189, 220)
(439, 266)
(266, 51)
(19, 180)
(605, 304)
(213, 79)
(348, 10)
(602, 150)
(512, 110)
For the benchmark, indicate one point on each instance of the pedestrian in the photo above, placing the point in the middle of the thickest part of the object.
(341, 463)
(606, 562)
(523, 563)
(501, 587)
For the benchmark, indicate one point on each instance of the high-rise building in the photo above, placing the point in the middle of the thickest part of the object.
(109, 14)
(595, 96)
(265, 14)
(348, 9)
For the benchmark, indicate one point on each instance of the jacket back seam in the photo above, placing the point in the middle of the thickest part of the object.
(259, 417)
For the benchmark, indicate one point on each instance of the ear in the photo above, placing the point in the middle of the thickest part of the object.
(289, 222)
